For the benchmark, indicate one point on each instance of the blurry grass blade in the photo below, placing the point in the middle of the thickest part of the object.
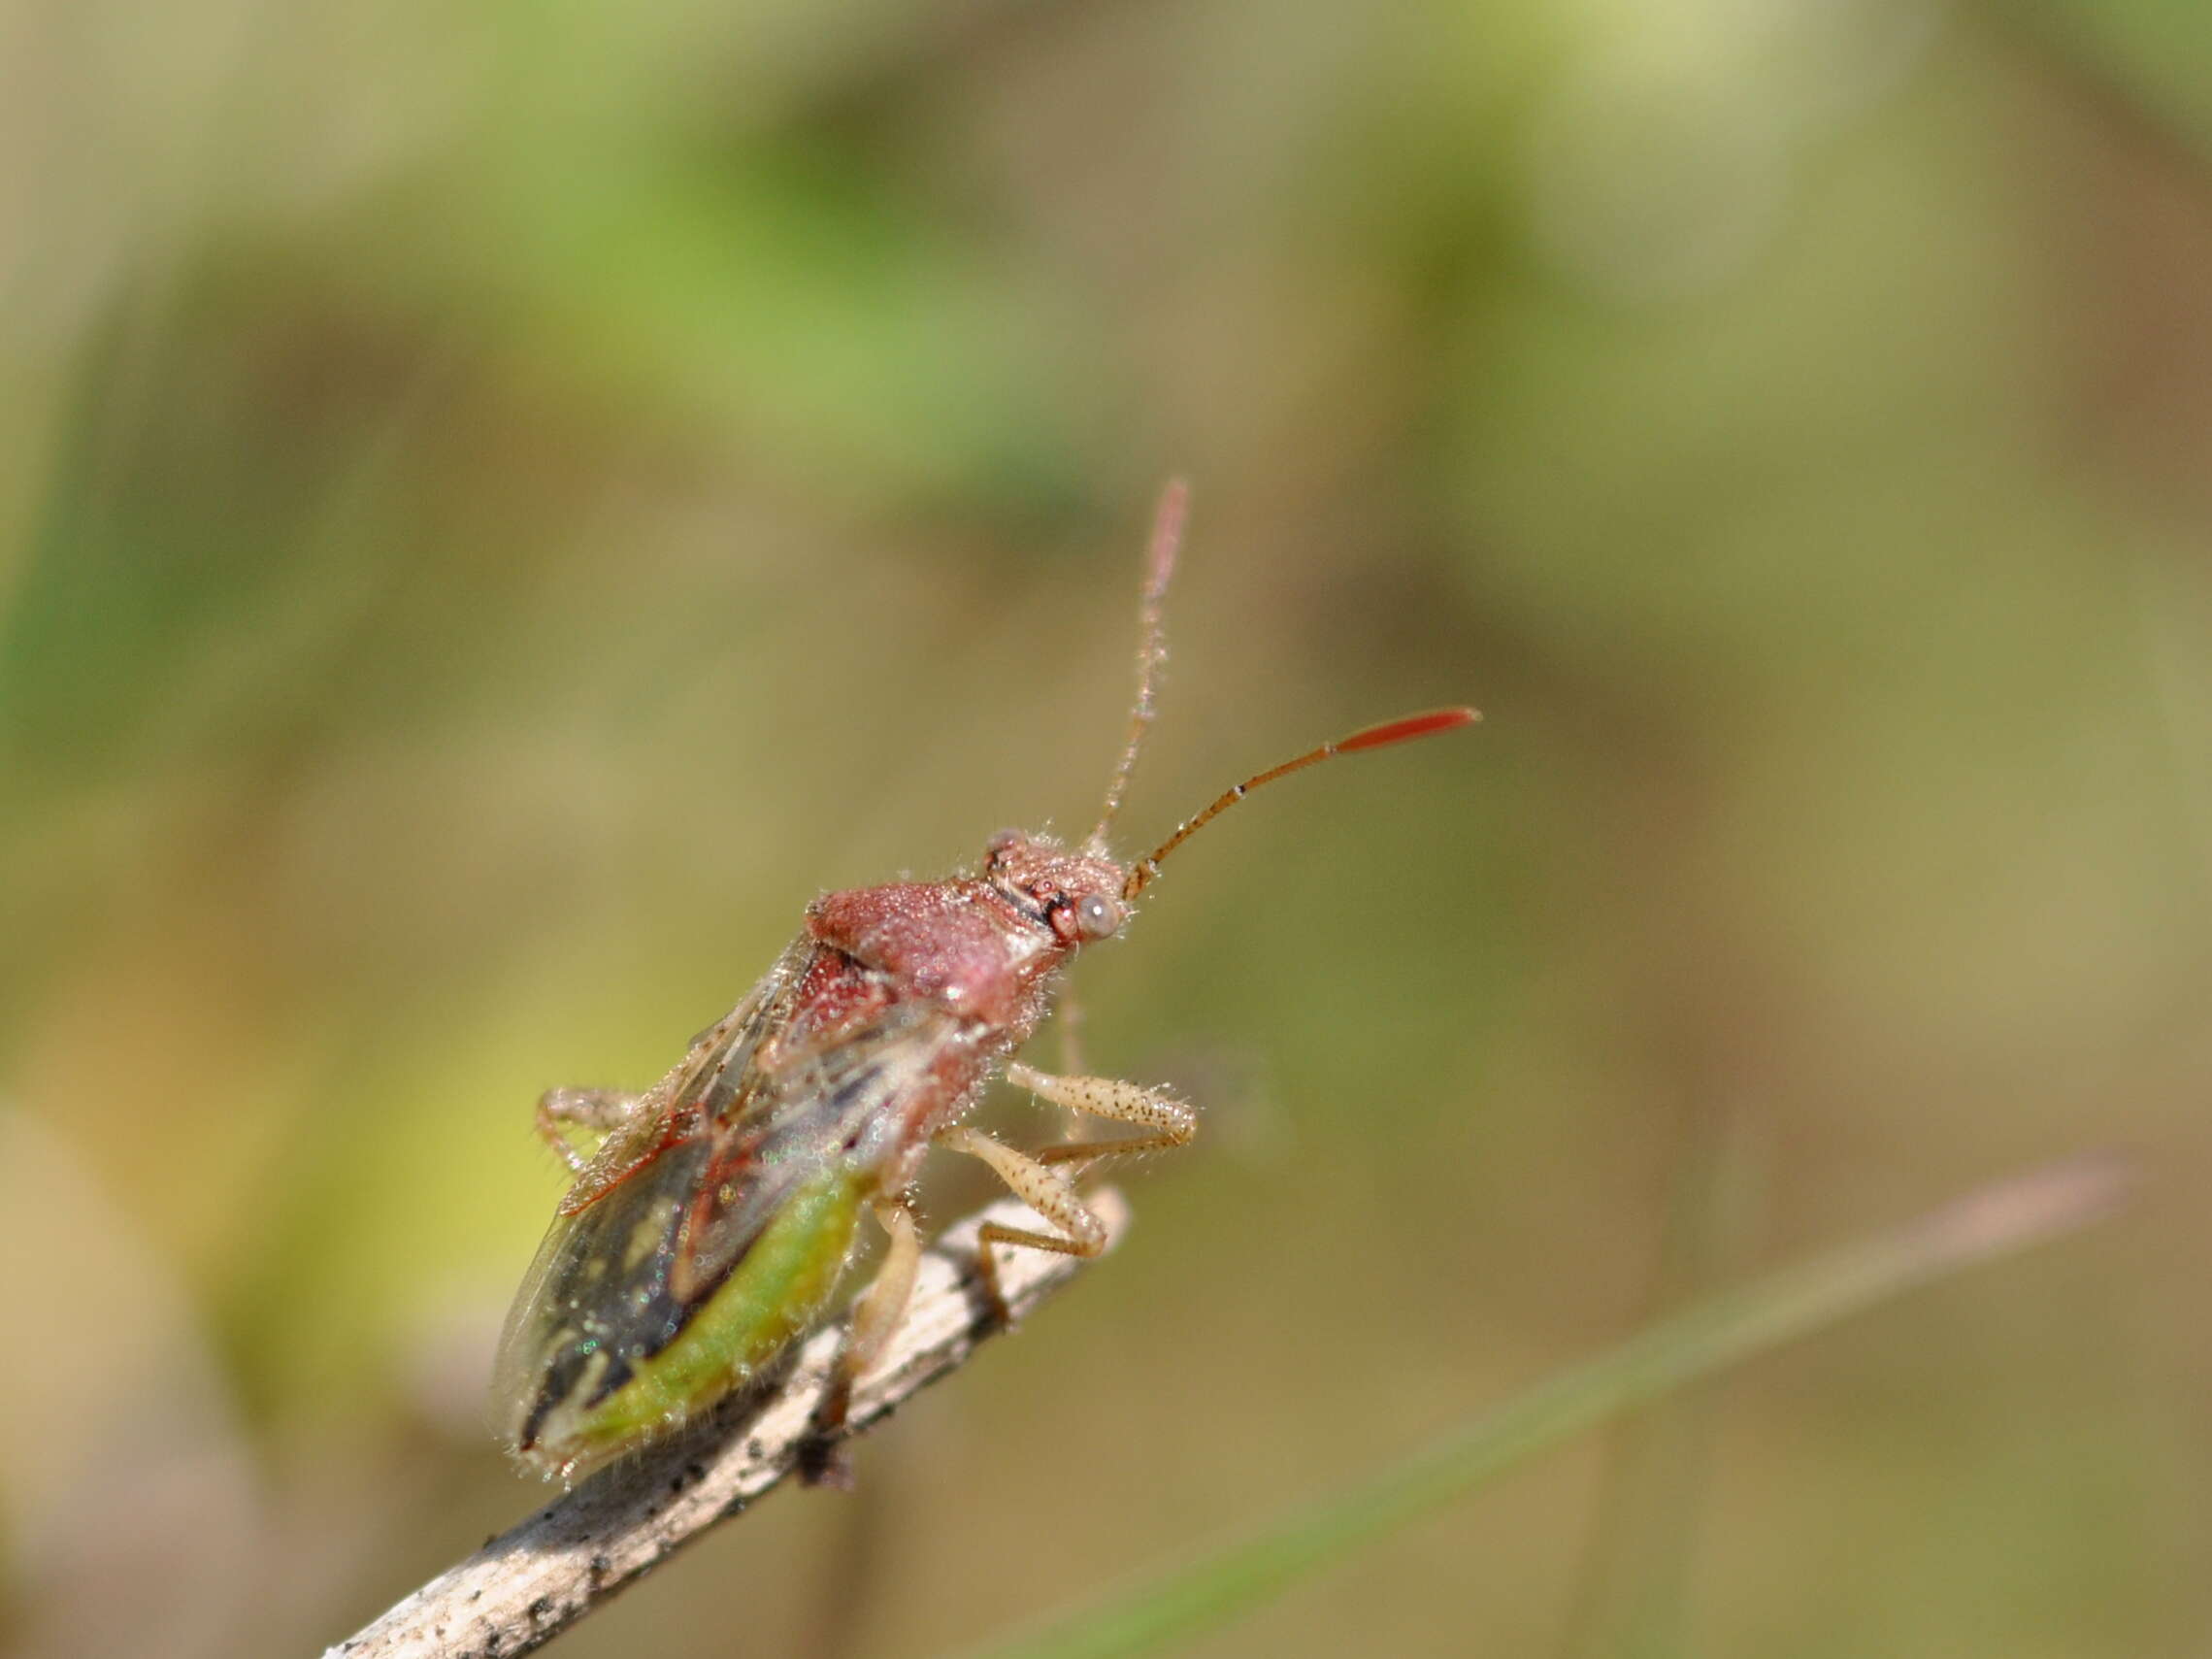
(1634, 1593)
(1706, 1339)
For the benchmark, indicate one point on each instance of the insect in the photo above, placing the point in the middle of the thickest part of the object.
(712, 1226)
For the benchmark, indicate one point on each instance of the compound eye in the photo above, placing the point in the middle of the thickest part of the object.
(1097, 917)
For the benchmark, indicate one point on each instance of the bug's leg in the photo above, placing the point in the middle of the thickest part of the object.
(874, 1316)
(1169, 1122)
(1045, 1190)
(602, 1109)
(1068, 1016)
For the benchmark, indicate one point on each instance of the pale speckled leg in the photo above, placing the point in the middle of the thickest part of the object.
(602, 1109)
(1045, 1190)
(1172, 1122)
(874, 1316)
(1068, 1021)
(1038, 1183)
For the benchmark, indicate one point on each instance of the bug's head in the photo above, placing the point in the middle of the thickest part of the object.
(1077, 895)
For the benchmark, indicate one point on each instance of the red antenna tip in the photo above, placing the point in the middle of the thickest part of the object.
(1166, 535)
(1410, 727)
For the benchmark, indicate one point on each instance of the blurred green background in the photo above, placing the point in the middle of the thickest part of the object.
(500, 504)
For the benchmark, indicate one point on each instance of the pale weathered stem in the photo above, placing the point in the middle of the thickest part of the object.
(529, 1584)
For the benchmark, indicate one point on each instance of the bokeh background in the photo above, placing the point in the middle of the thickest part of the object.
(500, 504)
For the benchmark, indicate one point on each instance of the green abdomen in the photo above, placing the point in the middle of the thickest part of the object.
(774, 1294)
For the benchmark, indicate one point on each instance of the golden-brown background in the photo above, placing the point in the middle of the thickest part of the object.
(501, 503)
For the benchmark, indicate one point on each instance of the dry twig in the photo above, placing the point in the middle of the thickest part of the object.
(530, 1583)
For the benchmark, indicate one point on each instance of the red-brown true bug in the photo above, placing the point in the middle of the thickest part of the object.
(712, 1223)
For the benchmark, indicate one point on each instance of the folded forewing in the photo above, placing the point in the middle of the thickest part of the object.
(840, 1107)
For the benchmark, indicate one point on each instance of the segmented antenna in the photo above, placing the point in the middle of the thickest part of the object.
(1402, 730)
(1151, 644)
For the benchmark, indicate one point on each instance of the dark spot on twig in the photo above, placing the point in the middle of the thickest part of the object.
(824, 1462)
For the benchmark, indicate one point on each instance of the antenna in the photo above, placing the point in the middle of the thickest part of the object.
(1404, 729)
(1151, 644)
